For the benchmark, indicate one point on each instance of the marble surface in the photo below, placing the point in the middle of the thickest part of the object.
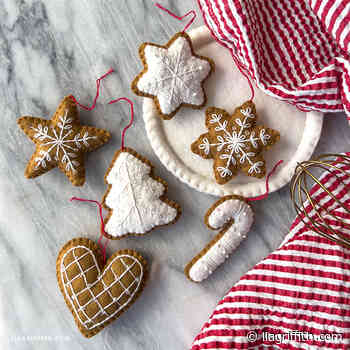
(49, 49)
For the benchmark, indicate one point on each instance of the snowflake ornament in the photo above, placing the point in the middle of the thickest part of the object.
(235, 142)
(173, 75)
(61, 142)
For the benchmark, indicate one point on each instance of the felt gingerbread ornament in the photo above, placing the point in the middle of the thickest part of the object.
(298, 296)
(173, 74)
(98, 292)
(233, 216)
(235, 142)
(135, 198)
(62, 141)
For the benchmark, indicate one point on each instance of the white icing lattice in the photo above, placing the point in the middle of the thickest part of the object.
(234, 143)
(134, 198)
(57, 141)
(174, 75)
(242, 217)
(89, 323)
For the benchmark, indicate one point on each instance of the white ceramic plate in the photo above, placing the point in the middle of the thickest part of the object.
(227, 88)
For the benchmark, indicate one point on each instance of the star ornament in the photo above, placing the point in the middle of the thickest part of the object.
(61, 142)
(235, 142)
(173, 75)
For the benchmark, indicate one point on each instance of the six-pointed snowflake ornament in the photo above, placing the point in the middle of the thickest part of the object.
(235, 142)
(61, 142)
(173, 75)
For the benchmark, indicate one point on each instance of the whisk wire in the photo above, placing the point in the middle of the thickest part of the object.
(320, 218)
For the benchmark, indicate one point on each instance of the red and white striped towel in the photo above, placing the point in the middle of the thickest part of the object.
(297, 51)
(304, 286)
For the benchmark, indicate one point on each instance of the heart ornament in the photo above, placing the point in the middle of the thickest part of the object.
(97, 294)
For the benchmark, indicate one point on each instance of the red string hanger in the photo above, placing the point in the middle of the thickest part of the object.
(98, 86)
(194, 15)
(103, 233)
(131, 116)
(241, 68)
(180, 18)
(266, 194)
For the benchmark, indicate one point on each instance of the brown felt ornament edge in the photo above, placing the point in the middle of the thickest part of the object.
(138, 92)
(217, 237)
(194, 146)
(163, 198)
(96, 251)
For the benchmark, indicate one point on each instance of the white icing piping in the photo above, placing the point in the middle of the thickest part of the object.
(242, 217)
(88, 287)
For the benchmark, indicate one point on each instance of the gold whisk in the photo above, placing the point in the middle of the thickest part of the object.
(301, 183)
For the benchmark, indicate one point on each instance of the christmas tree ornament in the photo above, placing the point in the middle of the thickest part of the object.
(62, 141)
(302, 288)
(173, 74)
(233, 216)
(98, 292)
(135, 198)
(235, 142)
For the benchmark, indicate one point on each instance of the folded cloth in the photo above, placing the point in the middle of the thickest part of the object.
(296, 298)
(297, 51)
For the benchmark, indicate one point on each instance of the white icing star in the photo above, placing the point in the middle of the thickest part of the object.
(174, 75)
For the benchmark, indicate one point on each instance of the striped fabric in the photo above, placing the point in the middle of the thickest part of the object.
(297, 51)
(304, 286)
(335, 15)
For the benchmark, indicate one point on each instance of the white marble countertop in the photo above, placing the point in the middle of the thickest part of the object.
(49, 49)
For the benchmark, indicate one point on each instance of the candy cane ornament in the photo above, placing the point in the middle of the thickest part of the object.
(234, 217)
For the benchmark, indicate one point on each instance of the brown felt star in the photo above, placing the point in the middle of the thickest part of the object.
(61, 142)
(235, 142)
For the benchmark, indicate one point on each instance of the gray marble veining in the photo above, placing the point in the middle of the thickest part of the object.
(49, 49)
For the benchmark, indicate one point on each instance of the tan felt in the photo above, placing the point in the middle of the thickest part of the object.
(155, 99)
(97, 294)
(61, 142)
(235, 142)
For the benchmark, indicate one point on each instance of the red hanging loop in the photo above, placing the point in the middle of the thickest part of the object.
(241, 69)
(98, 84)
(103, 232)
(180, 18)
(131, 118)
(265, 195)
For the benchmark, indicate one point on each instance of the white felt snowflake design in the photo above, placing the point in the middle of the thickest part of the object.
(173, 75)
(235, 142)
(59, 141)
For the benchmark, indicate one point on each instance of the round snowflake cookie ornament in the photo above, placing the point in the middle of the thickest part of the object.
(61, 142)
(173, 75)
